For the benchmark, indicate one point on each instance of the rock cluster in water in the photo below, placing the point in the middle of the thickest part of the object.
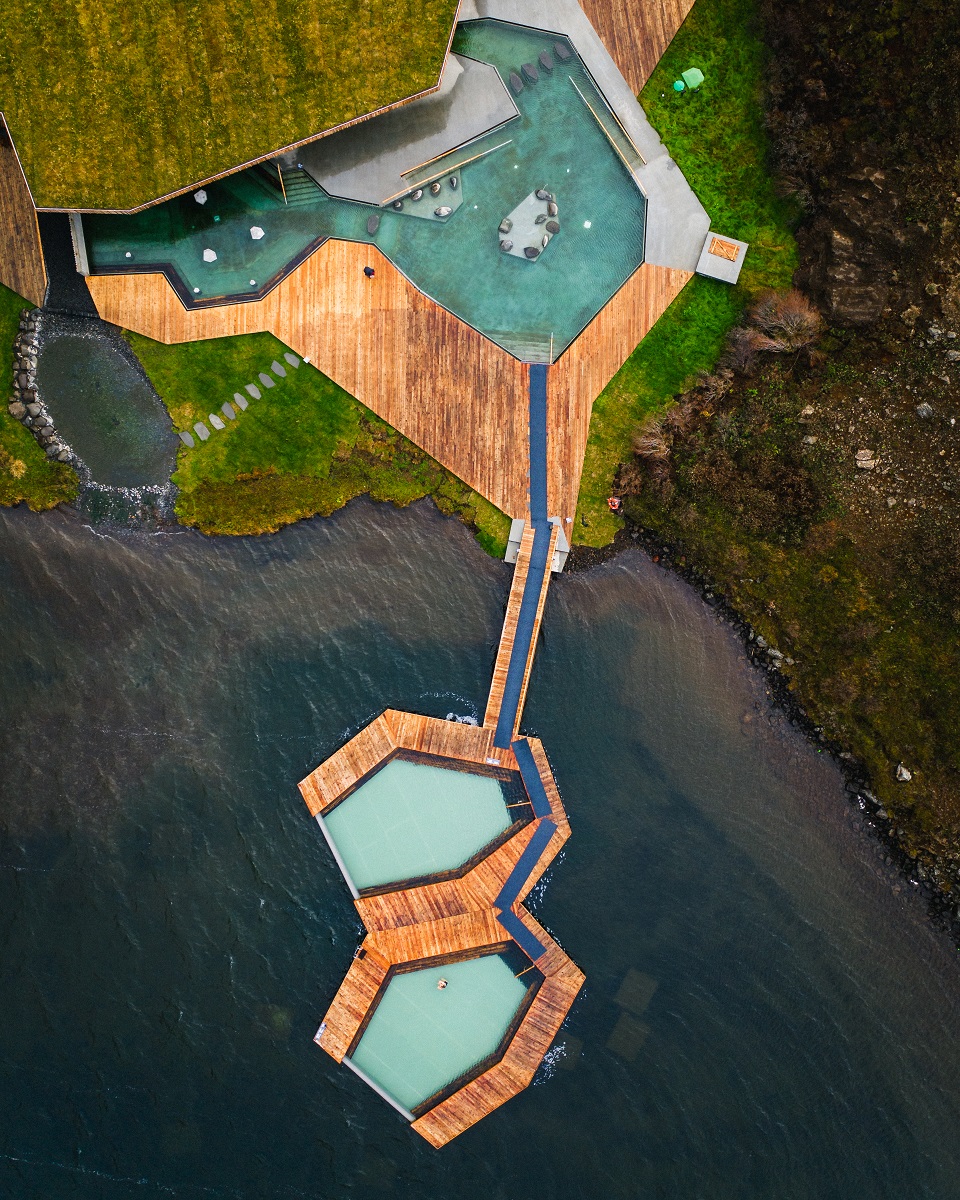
(25, 403)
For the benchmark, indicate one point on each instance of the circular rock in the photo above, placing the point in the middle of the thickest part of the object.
(553, 227)
(532, 251)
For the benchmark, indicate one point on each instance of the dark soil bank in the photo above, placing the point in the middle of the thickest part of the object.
(818, 491)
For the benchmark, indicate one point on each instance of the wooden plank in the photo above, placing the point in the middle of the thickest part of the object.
(636, 32)
(444, 386)
(545, 584)
(342, 770)
(584, 370)
(21, 257)
(351, 1004)
(509, 631)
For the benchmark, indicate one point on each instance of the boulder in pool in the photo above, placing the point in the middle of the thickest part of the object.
(545, 60)
(552, 210)
(531, 72)
(532, 251)
(543, 194)
(398, 205)
(417, 195)
(443, 211)
(516, 83)
(561, 51)
(506, 245)
(541, 217)
(553, 227)
(506, 225)
(454, 182)
(373, 223)
(435, 188)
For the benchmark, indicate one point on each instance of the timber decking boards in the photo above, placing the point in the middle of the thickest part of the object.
(636, 32)
(440, 383)
(523, 1055)
(21, 258)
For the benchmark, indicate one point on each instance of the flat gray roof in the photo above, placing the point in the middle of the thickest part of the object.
(367, 161)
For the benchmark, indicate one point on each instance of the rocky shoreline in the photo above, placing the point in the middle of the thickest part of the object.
(943, 907)
(26, 405)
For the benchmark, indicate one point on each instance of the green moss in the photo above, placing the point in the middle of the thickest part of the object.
(26, 475)
(717, 137)
(305, 448)
(113, 104)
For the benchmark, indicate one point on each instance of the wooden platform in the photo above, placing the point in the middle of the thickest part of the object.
(636, 32)
(443, 385)
(21, 258)
(448, 917)
(508, 633)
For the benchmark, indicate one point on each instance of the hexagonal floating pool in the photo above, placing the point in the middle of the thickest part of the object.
(423, 1040)
(420, 817)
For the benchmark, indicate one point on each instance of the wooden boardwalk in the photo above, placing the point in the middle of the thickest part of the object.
(508, 633)
(443, 385)
(21, 258)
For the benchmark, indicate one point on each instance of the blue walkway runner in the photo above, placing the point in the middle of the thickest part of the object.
(513, 885)
(507, 720)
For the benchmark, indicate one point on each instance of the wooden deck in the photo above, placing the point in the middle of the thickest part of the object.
(459, 935)
(636, 32)
(21, 258)
(508, 633)
(452, 916)
(443, 385)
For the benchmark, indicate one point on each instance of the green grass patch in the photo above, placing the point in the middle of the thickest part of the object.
(113, 104)
(305, 448)
(26, 474)
(716, 136)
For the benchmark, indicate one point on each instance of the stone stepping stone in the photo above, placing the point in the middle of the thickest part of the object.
(561, 51)
(215, 421)
(201, 431)
(227, 410)
(253, 390)
(530, 72)
(516, 83)
(187, 438)
(292, 359)
(266, 380)
(545, 60)
(241, 401)
(278, 370)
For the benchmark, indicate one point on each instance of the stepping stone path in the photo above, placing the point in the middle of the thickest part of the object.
(240, 401)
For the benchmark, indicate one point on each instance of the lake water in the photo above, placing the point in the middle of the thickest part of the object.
(174, 927)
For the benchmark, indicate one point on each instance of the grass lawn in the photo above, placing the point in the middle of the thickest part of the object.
(113, 104)
(717, 137)
(305, 448)
(25, 472)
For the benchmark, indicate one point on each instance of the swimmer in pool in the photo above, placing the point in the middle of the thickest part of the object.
(442, 984)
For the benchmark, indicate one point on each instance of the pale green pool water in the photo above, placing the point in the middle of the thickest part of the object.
(421, 1038)
(412, 819)
(531, 309)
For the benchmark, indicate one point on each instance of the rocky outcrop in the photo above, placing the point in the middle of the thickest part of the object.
(25, 405)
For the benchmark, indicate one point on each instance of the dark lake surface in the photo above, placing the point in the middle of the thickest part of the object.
(172, 926)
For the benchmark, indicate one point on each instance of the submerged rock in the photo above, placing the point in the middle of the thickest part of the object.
(531, 72)
(373, 223)
(454, 181)
(561, 51)
(545, 61)
(417, 195)
(516, 83)
(532, 251)
(435, 188)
